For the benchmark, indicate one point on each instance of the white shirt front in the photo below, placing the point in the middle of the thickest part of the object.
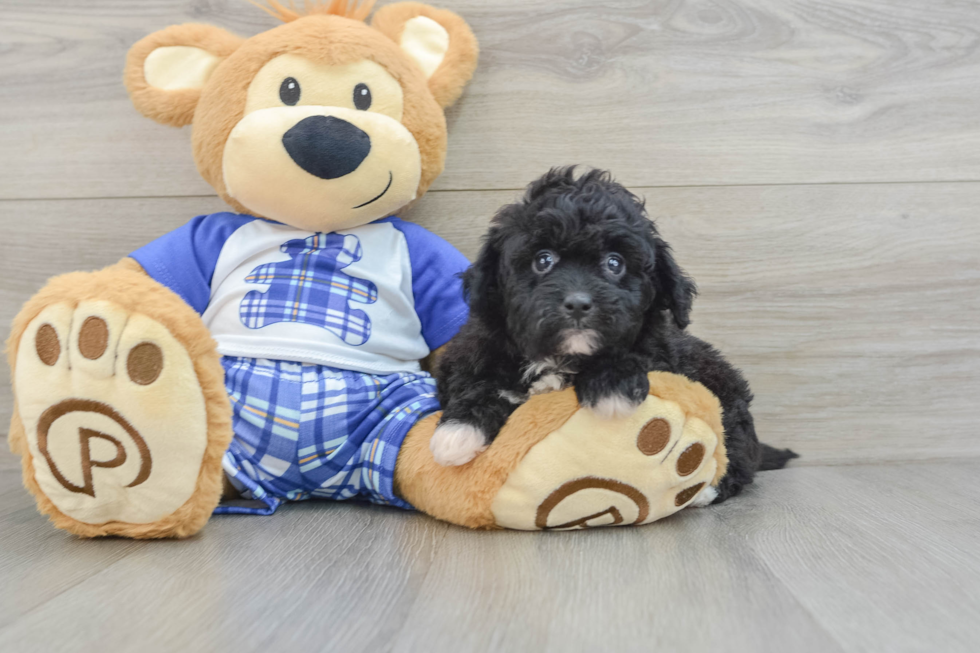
(395, 342)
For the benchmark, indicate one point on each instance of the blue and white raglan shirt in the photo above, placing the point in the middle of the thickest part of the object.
(374, 298)
(321, 335)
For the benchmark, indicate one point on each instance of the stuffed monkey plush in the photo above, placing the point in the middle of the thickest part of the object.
(272, 353)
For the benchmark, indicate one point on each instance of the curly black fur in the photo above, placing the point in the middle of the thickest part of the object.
(548, 306)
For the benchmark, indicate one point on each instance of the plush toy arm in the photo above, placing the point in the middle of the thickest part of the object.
(436, 284)
(184, 259)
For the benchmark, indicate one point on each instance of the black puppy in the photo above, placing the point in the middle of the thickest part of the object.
(575, 286)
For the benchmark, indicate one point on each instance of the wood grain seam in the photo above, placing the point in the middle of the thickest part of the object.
(897, 182)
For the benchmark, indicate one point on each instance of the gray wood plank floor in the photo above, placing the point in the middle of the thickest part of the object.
(850, 558)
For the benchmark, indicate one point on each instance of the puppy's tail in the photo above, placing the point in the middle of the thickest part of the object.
(773, 458)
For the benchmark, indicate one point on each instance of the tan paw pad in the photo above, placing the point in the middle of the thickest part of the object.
(113, 413)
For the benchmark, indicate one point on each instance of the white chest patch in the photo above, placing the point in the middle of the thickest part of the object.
(547, 375)
(547, 383)
(579, 341)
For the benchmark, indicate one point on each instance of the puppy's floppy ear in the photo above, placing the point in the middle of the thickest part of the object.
(481, 282)
(439, 41)
(166, 70)
(675, 290)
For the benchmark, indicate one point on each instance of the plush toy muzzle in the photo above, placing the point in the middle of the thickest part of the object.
(321, 144)
(321, 168)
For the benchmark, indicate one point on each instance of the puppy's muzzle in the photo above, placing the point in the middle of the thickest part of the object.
(577, 305)
(326, 146)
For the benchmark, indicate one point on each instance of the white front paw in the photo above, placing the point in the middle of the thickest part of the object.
(455, 443)
(705, 497)
(614, 406)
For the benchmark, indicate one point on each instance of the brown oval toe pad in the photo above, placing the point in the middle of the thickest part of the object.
(93, 338)
(653, 437)
(686, 495)
(144, 363)
(689, 461)
(47, 345)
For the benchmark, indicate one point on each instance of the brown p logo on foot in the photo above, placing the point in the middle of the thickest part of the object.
(637, 503)
(85, 437)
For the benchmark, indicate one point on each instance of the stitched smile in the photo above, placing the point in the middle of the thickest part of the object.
(390, 177)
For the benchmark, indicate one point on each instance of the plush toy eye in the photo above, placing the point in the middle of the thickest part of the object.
(362, 97)
(615, 264)
(289, 91)
(544, 261)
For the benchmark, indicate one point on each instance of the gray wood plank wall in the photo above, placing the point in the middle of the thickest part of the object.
(816, 167)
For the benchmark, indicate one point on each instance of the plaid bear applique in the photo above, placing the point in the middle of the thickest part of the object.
(311, 288)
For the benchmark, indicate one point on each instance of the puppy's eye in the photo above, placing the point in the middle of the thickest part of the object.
(289, 91)
(615, 264)
(362, 97)
(544, 261)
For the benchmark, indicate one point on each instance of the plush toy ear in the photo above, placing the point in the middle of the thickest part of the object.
(166, 70)
(439, 41)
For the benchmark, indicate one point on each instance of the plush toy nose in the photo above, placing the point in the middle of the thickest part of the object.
(578, 305)
(326, 147)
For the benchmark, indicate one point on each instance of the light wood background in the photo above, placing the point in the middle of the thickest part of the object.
(815, 163)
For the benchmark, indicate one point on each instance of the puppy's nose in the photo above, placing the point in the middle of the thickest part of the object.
(578, 304)
(326, 146)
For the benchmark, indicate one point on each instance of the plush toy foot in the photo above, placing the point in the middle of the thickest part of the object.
(556, 466)
(121, 417)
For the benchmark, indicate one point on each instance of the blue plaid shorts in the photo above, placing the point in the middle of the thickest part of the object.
(307, 431)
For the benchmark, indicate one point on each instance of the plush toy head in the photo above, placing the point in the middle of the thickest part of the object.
(321, 123)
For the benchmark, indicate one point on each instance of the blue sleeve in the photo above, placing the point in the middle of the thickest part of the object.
(436, 270)
(184, 260)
